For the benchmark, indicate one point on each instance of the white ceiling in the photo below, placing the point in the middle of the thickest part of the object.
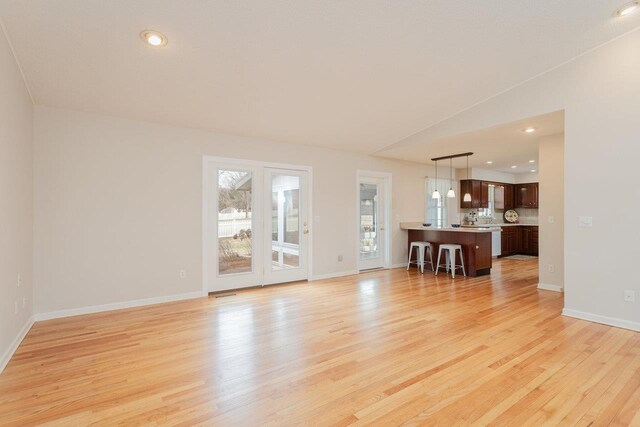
(357, 75)
(504, 145)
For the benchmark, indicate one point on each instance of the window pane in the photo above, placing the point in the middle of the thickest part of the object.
(234, 221)
(274, 216)
(368, 221)
(285, 241)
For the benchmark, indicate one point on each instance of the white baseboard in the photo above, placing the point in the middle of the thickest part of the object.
(400, 265)
(6, 356)
(605, 320)
(547, 287)
(117, 306)
(334, 275)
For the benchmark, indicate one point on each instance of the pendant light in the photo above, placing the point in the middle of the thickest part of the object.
(436, 193)
(451, 194)
(467, 195)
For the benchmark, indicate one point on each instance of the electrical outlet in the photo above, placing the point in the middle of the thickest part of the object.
(183, 274)
(629, 295)
(15, 307)
(551, 268)
(19, 280)
(339, 258)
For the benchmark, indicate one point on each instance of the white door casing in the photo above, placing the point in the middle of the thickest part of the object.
(241, 273)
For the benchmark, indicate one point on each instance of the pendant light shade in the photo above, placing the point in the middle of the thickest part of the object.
(436, 193)
(451, 194)
(467, 195)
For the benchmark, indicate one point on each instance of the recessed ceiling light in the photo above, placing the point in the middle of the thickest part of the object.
(533, 170)
(154, 38)
(513, 167)
(489, 162)
(628, 8)
(532, 161)
(529, 130)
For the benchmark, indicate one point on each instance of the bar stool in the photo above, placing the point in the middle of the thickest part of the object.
(420, 247)
(450, 254)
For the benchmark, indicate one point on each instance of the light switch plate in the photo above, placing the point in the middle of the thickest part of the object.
(551, 219)
(585, 221)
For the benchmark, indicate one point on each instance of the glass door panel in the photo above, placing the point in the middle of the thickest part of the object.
(234, 214)
(287, 225)
(368, 221)
(235, 248)
(371, 223)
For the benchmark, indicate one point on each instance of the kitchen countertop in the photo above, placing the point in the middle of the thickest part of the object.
(463, 229)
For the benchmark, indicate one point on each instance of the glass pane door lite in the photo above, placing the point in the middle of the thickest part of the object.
(371, 223)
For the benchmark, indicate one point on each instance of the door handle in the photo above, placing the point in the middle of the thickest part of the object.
(381, 228)
(305, 231)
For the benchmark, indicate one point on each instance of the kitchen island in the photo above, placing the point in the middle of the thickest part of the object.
(475, 242)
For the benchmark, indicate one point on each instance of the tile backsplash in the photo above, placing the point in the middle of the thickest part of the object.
(526, 216)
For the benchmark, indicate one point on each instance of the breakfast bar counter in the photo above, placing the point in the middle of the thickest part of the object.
(476, 243)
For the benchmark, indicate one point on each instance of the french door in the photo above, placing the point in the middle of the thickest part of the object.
(256, 225)
(286, 226)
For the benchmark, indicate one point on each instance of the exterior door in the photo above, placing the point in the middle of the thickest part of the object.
(256, 224)
(371, 218)
(286, 231)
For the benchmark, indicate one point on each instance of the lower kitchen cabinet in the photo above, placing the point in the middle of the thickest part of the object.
(520, 239)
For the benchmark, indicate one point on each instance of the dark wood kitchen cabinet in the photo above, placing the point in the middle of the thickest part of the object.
(529, 240)
(526, 195)
(479, 191)
(509, 201)
(510, 241)
(484, 194)
(519, 239)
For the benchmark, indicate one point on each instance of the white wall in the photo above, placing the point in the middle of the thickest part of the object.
(551, 204)
(599, 93)
(16, 202)
(497, 176)
(524, 178)
(119, 204)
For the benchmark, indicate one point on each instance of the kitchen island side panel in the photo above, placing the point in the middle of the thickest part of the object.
(476, 247)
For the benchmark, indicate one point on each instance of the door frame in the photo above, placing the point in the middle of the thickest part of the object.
(207, 160)
(387, 178)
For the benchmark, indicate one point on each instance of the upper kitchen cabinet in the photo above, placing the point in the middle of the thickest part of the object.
(503, 197)
(526, 195)
(509, 198)
(479, 191)
(498, 197)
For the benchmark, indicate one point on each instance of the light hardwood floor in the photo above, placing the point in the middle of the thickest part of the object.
(382, 348)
